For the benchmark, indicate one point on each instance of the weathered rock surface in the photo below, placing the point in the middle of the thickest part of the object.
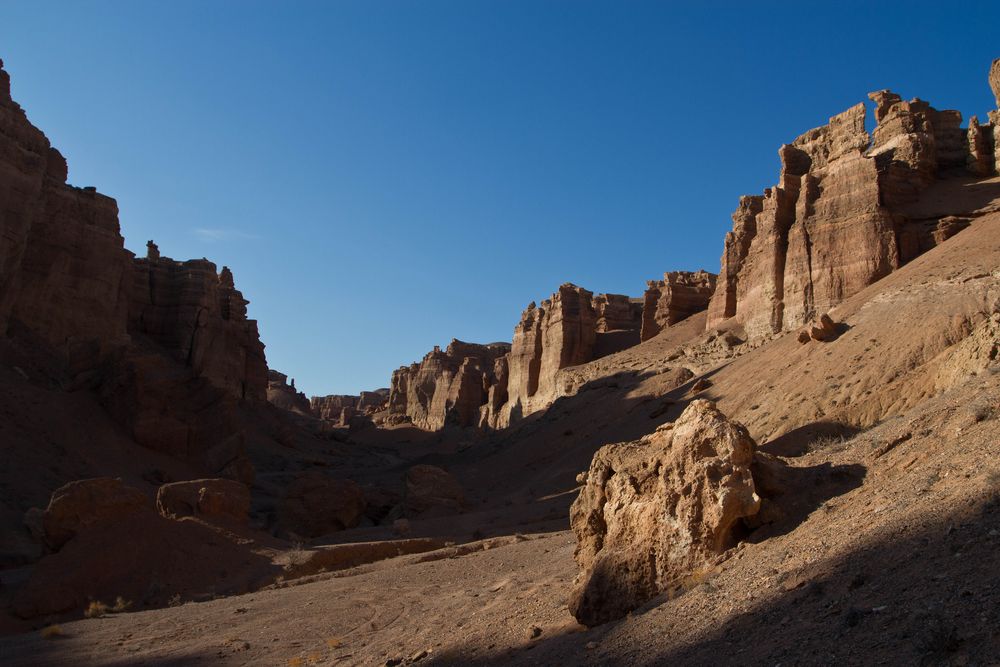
(838, 220)
(82, 504)
(208, 498)
(446, 387)
(315, 504)
(654, 511)
(341, 408)
(678, 296)
(431, 491)
(200, 318)
(284, 395)
(63, 264)
(166, 345)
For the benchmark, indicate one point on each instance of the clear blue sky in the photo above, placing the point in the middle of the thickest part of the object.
(384, 176)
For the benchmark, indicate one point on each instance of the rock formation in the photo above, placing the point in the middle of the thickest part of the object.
(79, 505)
(63, 264)
(340, 408)
(653, 511)
(199, 317)
(678, 296)
(285, 396)
(315, 504)
(431, 491)
(165, 345)
(206, 498)
(446, 387)
(838, 220)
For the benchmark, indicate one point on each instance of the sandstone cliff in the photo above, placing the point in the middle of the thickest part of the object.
(339, 408)
(446, 387)
(840, 217)
(678, 296)
(200, 317)
(63, 264)
(165, 346)
(284, 395)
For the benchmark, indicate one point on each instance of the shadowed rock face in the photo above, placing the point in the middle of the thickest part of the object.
(654, 511)
(837, 219)
(63, 264)
(200, 318)
(166, 345)
(285, 396)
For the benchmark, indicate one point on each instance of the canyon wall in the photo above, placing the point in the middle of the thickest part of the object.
(63, 263)
(678, 296)
(284, 395)
(844, 213)
(166, 346)
(445, 387)
(199, 317)
(340, 408)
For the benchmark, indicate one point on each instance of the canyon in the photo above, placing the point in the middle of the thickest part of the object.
(630, 480)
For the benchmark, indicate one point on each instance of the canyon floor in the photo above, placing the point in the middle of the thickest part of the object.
(880, 546)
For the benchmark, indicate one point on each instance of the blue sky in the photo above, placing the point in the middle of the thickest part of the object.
(384, 176)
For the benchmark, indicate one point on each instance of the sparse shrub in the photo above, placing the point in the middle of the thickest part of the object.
(121, 605)
(296, 662)
(175, 600)
(52, 631)
(334, 642)
(95, 609)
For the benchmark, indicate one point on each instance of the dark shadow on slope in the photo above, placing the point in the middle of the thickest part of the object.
(926, 595)
(789, 494)
(809, 437)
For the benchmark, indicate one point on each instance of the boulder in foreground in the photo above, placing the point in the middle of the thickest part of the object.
(655, 510)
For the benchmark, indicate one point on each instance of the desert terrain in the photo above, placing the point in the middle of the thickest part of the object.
(793, 461)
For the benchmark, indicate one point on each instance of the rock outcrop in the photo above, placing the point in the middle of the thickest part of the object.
(495, 385)
(446, 387)
(837, 220)
(63, 264)
(200, 318)
(678, 296)
(285, 396)
(341, 408)
(166, 345)
(79, 505)
(654, 511)
(205, 498)
(315, 504)
(431, 491)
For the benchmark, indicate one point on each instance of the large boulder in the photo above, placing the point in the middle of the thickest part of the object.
(315, 505)
(207, 498)
(432, 491)
(653, 511)
(78, 505)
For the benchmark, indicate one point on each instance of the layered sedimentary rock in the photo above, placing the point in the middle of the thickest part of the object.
(836, 221)
(166, 346)
(284, 395)
(446, 387)
(63, 264)
(678, 296)
(340, 408)
(651, 512)
(199, 317)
